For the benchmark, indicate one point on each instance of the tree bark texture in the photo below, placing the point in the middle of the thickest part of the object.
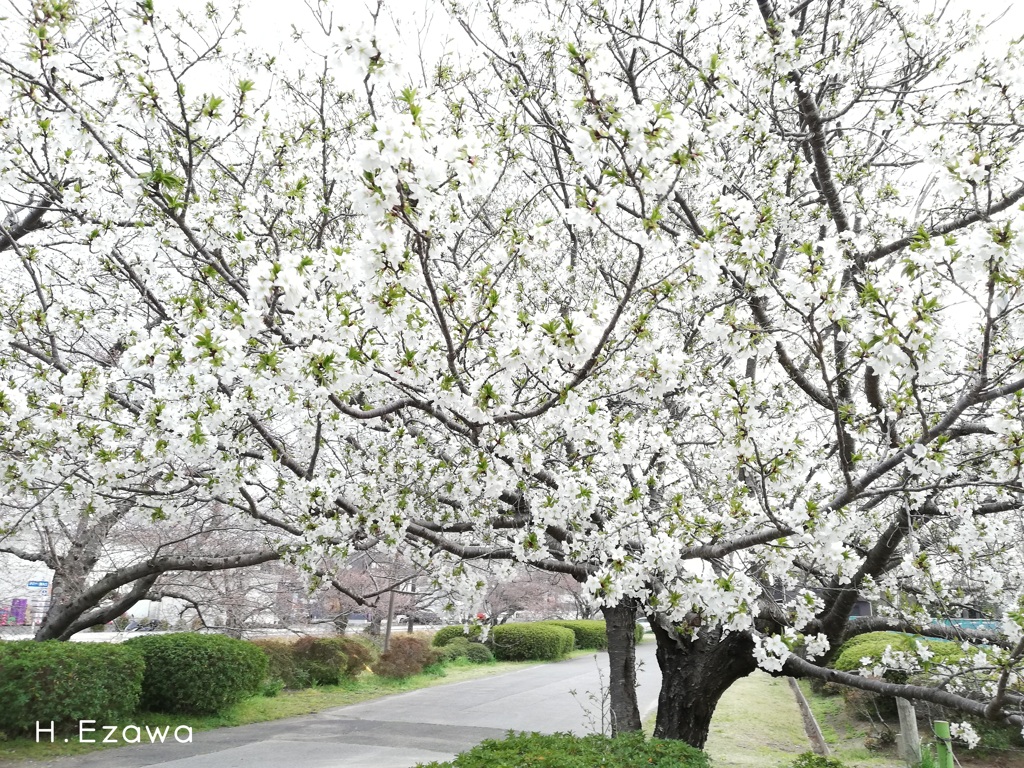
(624, 711)
(694, 675)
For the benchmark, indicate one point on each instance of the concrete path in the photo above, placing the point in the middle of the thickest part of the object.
(402, 730)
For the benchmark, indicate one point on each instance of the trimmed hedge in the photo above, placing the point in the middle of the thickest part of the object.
(316, 660)
(873, 644)
(479, 653)
(282, 664)
(66, 682)
(445, 635)
(449, 653)
(563, 750)
(866, 706)
(321, 660)
(590, 633)
(461, 648)
(526, 642)
(198, 674)
(638, 633)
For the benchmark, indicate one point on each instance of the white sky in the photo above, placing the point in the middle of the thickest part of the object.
(271, 19)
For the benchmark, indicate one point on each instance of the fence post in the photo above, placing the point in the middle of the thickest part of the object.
(910, 741)
(944, 744)
(391, 616)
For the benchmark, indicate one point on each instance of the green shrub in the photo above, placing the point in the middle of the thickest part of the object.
(198, 674)
(461, 648)
(282, 664)
(562, 750)
(525, 642)
(360, 655)
(638, 633)
(479, 653)
(66, 682)
(455, 649)
(271, 687)
(445, 635)
(406, 655)
(811, 760)
(449, 653)
(316, 660)
(590, 633)
(320, 660)
(872, 645)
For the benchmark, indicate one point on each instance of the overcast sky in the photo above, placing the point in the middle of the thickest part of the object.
(271, 18)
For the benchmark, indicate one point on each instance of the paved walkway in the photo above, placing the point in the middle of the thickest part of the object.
(398, 731)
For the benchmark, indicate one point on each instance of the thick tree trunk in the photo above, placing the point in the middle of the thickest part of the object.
(70, 615)
(694, 675)
(623, 709)
(67, 583)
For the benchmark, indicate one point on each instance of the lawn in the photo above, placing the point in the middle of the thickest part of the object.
(757, 725)
(844, 735)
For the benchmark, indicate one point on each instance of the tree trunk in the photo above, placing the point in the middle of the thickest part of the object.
(67, 583)
(694, 675)
(340, 622)
(623, 709)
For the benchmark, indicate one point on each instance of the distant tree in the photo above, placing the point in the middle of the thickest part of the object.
(538, 593)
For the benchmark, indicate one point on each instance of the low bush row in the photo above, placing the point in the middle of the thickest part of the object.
(464, 648)
(445, 635)
(67, 682)
(198, 674)
(563, 750)
(527, 642)
(872, 645)
(316, 660)
(531, 640)
(64, 683)
(590, 633)
(539, 641)
(187, 673)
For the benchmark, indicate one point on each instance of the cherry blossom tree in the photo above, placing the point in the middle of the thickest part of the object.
(714, 309)
(840, 182)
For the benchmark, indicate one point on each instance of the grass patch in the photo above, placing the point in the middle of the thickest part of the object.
(262, 709)
(757, 724)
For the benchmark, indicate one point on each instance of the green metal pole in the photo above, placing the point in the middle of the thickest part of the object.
(944, 744)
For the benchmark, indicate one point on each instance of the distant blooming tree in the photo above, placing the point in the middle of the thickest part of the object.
(714, 309)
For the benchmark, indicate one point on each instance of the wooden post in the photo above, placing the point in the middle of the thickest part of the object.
(910, 741)
(944, 744)
(391, 616)
(817, 739)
